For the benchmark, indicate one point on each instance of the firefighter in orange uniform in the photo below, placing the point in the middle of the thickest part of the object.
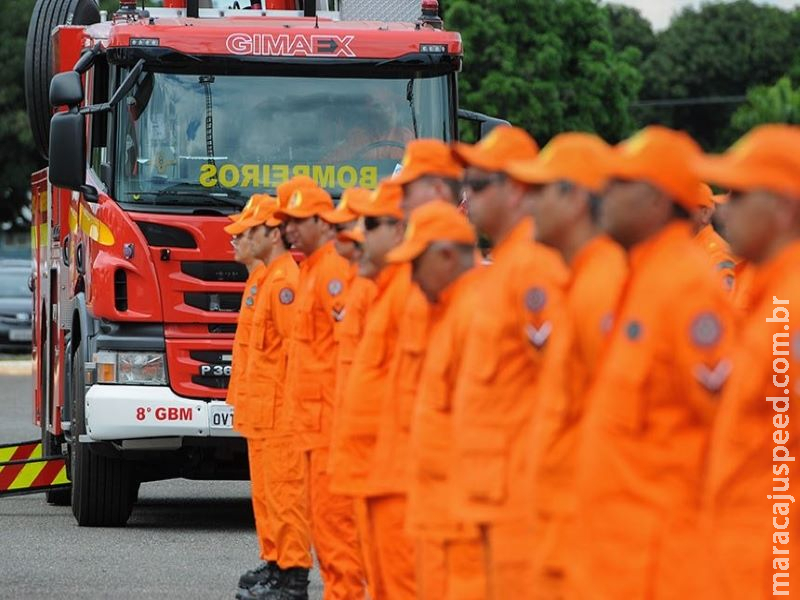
(428, 173)
(756, 436)
(569, 175)
(440, 243)
(506, 344)
(237, 388)
(277, 469)
(311, 384)
(368, 382)
(717, 248)
(648, 415)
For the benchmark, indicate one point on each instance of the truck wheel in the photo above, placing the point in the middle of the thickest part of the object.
(101, 486)
(47, 15)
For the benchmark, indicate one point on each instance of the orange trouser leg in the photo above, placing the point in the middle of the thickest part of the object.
(258, 486)
(333, 530)
(550, 559)
(509, 561)
(369, 556)
(396, 559)
(465, 572)
(287, 502)
(430, 571)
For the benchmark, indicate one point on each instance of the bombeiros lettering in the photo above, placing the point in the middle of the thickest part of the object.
(294, 44)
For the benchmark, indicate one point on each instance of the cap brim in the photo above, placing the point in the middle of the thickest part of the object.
(351, 235)
(406, 251)
(237, 228)
(723, 172)
(235, 216)
(337, 217)
(407, 176)
(473, 156)
(288, 213)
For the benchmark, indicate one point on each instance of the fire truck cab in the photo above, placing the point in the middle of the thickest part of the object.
(167, 120)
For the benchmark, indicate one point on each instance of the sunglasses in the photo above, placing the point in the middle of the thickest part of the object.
(478, 184)
(371, 223)
(340, 227)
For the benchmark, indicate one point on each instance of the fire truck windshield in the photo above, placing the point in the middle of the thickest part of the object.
(213, 140)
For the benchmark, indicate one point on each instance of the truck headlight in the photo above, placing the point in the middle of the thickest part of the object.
(134, 368)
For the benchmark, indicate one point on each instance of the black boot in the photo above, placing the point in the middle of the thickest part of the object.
(292, 585)
(266, 573)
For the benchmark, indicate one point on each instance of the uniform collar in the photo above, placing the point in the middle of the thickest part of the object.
(521, 233)
(260, 270)
(581, 258)
(677, 231)
(319, 254)
(389, 273)
(456, 288)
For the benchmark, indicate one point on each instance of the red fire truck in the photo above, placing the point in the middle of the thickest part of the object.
(164, 122)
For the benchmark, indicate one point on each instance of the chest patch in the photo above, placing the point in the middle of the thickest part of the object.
(535, 299)
(633, 330)
(335, 287)
(286, 296)
(706, 330)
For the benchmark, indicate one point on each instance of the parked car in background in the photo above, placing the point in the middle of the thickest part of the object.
(16, 305)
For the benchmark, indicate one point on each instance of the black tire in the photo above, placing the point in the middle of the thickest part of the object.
(47, 15)
(101, 485)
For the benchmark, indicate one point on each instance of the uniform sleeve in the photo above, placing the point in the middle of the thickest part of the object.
(282, 304)
(332, 289)
(703, 331)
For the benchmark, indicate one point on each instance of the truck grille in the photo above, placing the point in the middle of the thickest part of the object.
(213, 302)
(215, 271)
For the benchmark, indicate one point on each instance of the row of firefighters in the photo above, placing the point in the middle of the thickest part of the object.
(603, 407)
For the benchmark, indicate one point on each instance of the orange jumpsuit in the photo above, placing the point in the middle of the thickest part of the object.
(742, 285)
(237, 393)
(367, 385)
(757, 425)
(449, 552)
(597, 274)
(495, 400)
(309, 395)
(647, 426)
(720, 254)
(277, 470)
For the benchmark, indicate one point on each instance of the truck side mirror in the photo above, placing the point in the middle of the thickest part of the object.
(68, 150)
(66, 89)
(482, 124)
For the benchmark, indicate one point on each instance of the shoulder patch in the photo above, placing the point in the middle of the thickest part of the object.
(335, 287)
(633, 330)
(535, 299)
(249, 301)
(254, 290)
(286, 295)
(706, 330)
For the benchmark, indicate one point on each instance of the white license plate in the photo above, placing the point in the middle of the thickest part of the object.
(19, 335)
(221, 416)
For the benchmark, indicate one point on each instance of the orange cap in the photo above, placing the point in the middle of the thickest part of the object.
(248, 208)
(343, 213)
(385, 201)
(287, 188)
(581, 158)
(351, 235)
(436, 221)
(705, 197)
(497, 150)
(263, 213)
(661, 157)
(766, 158)
(305, 203)
(427, 158)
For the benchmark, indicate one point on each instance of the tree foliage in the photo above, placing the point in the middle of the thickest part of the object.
(546, 65)
(720, 50)
(779, 103)
(629, 29)
(18, 158)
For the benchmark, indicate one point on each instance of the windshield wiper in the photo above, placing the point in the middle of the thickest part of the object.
(210, 196)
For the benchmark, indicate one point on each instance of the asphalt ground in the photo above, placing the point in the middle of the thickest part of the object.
(185, 539)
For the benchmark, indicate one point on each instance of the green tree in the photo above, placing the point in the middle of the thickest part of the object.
(629, 29)
(546, 65)
(779, 103)
(708, 57)
(18, 158)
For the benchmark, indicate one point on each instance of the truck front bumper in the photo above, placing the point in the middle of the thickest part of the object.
(124, 412)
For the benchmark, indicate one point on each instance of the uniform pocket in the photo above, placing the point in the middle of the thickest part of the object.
(309, 406)
(286, 462)
(264, 399)
(483, 351)
(304, 325)
(485, 466)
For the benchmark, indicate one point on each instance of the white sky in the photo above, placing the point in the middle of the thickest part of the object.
(660, 11)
